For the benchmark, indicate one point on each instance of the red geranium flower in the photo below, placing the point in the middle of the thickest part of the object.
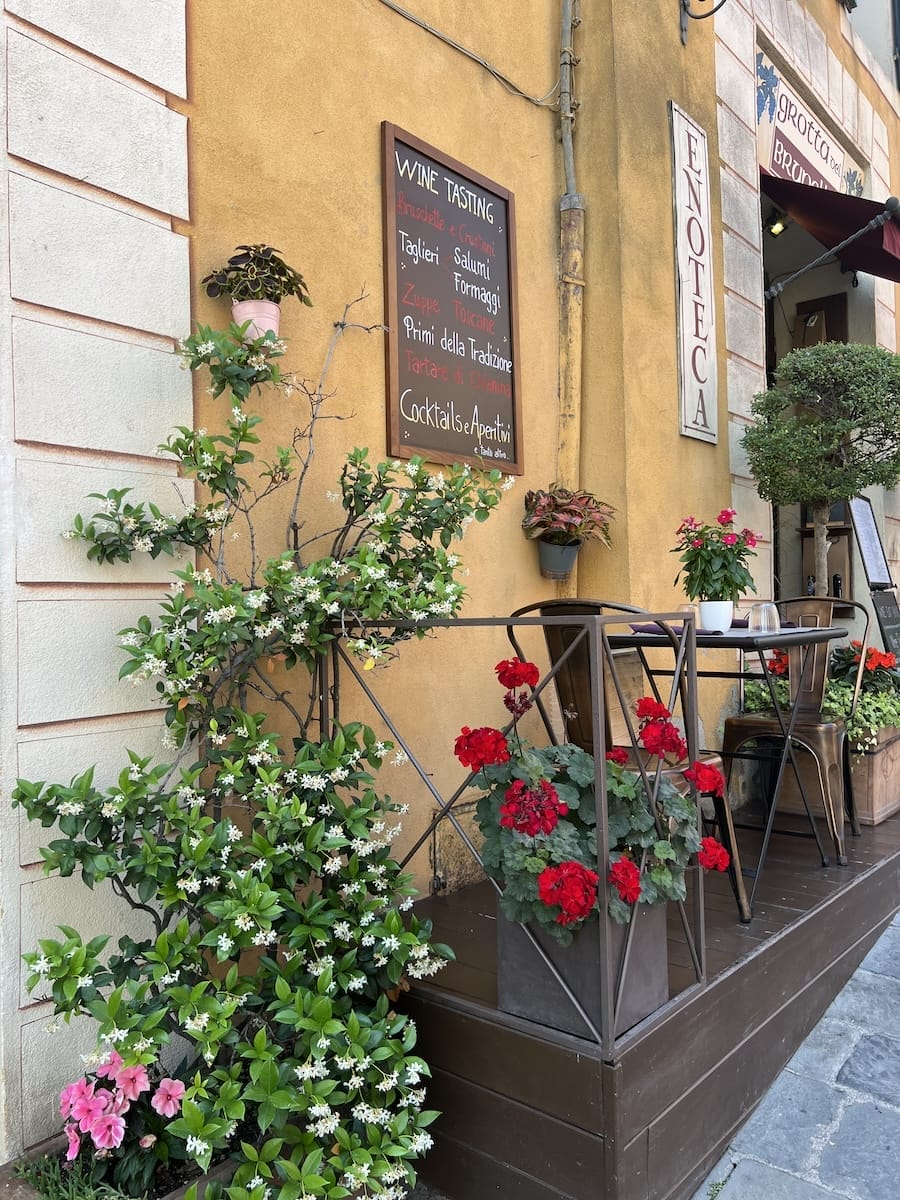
(875, 659)
(477, 748)
(618, 755)
(649, 709)
(572, 887)
(532, 810)
(661, 738)
(708, 779)
(712, 855)
(626, 879)
(778, 663)
(513, 673)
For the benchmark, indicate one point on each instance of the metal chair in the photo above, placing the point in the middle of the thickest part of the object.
(825, 738)
(573, 690)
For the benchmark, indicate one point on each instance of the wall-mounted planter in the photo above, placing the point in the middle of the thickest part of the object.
(556, 562)
(263, 316)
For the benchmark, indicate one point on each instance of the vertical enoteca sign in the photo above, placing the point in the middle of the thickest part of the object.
(450, 300)
(698, 390)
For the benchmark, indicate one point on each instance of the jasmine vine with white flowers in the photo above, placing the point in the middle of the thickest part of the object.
(278, 931)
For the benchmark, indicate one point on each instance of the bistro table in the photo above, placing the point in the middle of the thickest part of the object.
(749, 642)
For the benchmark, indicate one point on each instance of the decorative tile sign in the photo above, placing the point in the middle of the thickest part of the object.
(792, 142)
(450, 296)
(698, 370)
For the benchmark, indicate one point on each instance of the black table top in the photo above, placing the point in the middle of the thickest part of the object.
(735, 639)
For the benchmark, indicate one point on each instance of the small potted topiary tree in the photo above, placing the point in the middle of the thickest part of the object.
(827, 430)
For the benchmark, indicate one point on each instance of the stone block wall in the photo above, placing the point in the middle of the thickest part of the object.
(787, 29)
(95, 288)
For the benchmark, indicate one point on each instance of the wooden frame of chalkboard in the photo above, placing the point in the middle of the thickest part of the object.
(871, 550)
(451, 296)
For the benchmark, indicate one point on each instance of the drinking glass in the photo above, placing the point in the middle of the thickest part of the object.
(764, 618)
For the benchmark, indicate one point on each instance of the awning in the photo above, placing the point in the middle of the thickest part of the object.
(832, 217)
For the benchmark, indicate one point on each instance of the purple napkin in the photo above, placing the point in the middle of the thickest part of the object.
(738, 623)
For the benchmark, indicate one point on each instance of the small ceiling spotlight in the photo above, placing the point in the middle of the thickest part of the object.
(776, 224)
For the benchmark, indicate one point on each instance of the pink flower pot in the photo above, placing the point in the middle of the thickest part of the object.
(263, 316)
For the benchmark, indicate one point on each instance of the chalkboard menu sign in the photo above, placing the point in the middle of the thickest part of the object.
(875, 563)
(888, 615)
(450, 287)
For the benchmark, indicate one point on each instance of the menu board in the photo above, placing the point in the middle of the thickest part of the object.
(450, 288)
(875, 563)
(888, 615)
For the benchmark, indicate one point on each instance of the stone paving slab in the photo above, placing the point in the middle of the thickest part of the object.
(826, 1049)
(752, 1180)
(871, 1001)
(884, 957)
(862, 1156)
(796, 1114)
(873, 1068)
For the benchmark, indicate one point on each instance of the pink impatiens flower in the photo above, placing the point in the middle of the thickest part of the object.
(107, 1132)
(131, 1081)
(167, 1097)
(88, 1106)
(73, 1092)
(74, 1142)
(109, 1068)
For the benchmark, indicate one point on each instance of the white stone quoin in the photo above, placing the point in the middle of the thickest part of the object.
(95, 292)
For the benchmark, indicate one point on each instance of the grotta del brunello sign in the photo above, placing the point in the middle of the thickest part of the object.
(450, 287)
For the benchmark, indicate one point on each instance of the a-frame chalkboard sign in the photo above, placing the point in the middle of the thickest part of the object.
(878, 573)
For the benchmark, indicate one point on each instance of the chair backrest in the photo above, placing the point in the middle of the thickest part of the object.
(573, 679)
(808, 612)
(807, 694)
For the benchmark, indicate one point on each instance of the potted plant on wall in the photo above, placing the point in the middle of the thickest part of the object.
(257, 279)
(560, 519)
(714, 566)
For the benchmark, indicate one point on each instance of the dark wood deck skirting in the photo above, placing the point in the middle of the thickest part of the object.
(532, 1114)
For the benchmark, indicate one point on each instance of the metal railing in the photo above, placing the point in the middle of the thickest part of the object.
(604, 636)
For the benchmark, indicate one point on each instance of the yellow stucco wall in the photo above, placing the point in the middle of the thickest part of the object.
(285, 108)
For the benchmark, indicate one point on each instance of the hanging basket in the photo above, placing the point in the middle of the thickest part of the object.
(556, 561)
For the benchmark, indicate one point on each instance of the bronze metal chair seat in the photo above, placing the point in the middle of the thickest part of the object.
(822, 737)
(573, 690)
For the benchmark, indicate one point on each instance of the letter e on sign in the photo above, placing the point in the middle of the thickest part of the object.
(696, 318)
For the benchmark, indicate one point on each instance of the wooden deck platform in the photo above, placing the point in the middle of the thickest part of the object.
(529, 1113)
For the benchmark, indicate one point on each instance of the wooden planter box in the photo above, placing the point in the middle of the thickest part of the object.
(876, 781)
(527, 988)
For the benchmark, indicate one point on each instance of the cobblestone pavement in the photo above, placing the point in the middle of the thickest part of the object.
(830, 1124)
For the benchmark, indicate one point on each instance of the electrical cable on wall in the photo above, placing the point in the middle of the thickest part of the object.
(546, 101)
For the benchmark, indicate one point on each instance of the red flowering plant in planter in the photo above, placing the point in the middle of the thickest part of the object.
(877, 707)
(538, 816)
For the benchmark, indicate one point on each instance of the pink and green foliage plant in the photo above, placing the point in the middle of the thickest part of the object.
(565, 517)
(273, 927)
